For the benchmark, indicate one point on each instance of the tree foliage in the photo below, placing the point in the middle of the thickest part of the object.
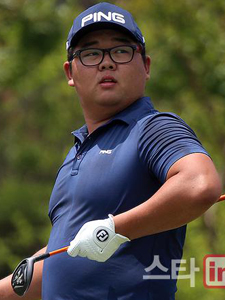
(186, 42)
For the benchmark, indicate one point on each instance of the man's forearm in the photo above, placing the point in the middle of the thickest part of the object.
(164, 211)
(34, 292)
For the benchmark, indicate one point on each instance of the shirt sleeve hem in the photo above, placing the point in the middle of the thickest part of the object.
(178, 157)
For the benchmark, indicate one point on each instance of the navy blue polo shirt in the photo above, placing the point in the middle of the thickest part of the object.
(117, 167)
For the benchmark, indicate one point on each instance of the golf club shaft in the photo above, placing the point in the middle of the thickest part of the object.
(64, 249)
(221, 198)
(58, 251)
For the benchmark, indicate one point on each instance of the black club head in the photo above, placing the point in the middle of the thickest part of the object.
(22, 276)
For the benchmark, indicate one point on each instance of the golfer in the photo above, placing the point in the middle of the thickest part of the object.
(131, 182)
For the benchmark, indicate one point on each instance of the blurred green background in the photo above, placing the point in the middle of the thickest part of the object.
(186, 41)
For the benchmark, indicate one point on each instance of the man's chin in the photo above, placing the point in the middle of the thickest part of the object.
(109, 101)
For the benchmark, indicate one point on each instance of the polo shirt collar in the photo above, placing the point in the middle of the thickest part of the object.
(81, 133)
(135, 111)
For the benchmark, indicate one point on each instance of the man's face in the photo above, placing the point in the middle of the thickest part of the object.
(97, 95)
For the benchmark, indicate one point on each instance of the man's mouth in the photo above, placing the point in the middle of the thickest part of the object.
(108, 81)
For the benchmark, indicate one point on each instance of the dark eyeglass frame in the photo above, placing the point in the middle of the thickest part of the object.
(77, 53)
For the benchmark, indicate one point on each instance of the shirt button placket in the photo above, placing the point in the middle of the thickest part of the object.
(80, 156)
(76, 164)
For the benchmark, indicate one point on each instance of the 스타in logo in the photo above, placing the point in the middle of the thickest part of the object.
(102, 235)
(214, 271)
(99, 16)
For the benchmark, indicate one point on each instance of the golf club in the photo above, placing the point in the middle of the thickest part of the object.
(22, 276)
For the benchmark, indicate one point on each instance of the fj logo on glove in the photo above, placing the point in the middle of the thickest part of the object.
(102, 235)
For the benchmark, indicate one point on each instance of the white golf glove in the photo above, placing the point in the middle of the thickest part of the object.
(96, 240)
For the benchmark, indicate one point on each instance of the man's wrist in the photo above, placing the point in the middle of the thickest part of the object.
(122, 226)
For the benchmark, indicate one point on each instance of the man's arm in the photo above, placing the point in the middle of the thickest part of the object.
(34, 292)
(192, 186)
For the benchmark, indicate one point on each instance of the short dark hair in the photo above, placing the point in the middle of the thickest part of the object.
(70, 52)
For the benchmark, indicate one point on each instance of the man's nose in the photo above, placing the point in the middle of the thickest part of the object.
(107, 63)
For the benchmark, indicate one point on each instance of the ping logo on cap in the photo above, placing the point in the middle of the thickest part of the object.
(102, 235)
(99, 16)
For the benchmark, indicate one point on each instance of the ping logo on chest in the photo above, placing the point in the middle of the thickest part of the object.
(99, 16)
(105, 152)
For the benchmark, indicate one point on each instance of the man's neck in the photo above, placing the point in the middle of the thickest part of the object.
(95, 120)
(92, 125)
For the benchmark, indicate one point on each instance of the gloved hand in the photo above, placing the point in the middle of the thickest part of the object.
(96, 240)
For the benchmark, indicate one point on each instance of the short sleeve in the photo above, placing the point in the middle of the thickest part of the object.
(164, 139)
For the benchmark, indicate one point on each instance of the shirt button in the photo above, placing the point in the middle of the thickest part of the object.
(74, 172)
(78, 157)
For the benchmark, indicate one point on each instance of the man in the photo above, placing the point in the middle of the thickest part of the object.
(130, 183)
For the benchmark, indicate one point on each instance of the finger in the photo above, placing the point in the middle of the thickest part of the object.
(74, 248)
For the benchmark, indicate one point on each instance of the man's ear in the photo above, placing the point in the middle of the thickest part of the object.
(68, 71)
(147, 66)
